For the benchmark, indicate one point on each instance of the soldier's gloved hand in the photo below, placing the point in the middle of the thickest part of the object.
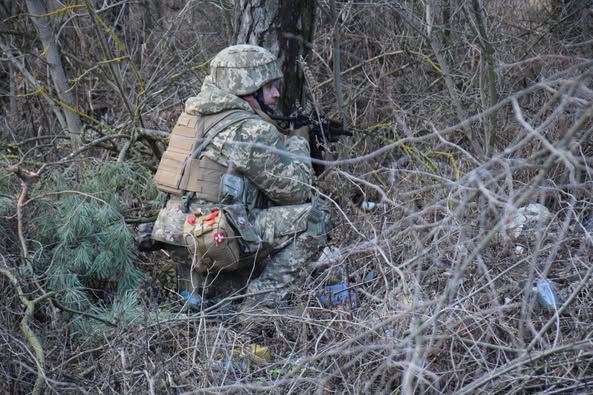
(303, 131)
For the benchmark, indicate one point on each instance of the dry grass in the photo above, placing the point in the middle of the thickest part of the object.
(444, 297)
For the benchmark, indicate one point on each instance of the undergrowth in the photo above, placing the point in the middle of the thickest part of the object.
(444, 285)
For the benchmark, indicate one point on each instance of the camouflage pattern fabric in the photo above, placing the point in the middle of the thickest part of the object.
(295, 246)
(280, 168)
(283, 272)
(277, 226)
(243, 69)
(288, 247)
(168, 227)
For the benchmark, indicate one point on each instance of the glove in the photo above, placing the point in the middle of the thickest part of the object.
(303, 131)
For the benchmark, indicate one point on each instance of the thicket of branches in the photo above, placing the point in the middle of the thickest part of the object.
(462, 111)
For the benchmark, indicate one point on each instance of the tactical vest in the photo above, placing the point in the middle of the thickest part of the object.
(181, 169)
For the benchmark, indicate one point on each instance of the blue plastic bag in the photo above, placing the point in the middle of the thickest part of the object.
(192, 300)
(336, 295)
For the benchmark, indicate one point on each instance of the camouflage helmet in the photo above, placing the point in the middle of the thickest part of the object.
(243, 69)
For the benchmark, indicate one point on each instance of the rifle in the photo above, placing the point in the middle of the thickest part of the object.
(322, 130)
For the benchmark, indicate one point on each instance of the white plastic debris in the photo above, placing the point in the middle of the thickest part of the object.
(531, 215)
(368, 205)
(545, 291)
(329, 256)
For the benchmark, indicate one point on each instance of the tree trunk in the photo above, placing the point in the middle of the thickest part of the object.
(52, 57)
(487, 75)
(286, 28)
(297, 24)
(257, 23)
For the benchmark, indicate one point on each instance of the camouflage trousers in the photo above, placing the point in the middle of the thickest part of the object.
(293, 237)
(267, 278)
(284, 270)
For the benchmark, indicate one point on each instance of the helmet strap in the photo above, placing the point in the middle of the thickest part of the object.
(259, 97)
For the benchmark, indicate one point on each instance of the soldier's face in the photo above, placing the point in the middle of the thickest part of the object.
(271, 94)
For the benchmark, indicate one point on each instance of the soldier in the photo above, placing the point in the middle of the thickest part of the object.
(286, 225)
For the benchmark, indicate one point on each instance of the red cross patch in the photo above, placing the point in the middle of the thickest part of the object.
(219, 237)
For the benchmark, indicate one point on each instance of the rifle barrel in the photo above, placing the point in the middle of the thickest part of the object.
(282, 118)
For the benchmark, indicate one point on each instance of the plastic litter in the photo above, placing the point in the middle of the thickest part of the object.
(368, 205)
(546, 295)
(532, 214)
(338, 295)
(192, 300)
(328, 257)
(262, 353)
(253, 353)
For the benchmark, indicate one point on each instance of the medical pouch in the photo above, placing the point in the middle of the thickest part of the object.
(212, 241)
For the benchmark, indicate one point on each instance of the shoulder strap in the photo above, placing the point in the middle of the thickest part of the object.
(212, 125)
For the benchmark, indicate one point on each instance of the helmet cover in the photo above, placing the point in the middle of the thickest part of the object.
(243, 69)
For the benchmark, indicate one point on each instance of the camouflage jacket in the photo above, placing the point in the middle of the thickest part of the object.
(278, 166)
